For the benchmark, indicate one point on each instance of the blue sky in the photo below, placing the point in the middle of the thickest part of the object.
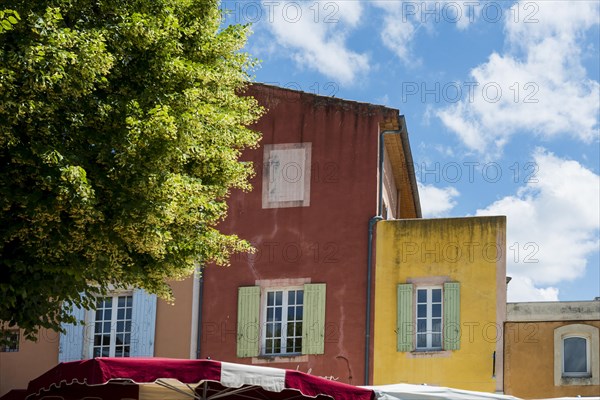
(502, 102)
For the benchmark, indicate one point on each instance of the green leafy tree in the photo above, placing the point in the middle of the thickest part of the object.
(8, 18)
(121, 125)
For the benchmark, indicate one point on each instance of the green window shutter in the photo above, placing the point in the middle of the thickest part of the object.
(404, 322)
(248, 338)
(451, 316)
(313, 324)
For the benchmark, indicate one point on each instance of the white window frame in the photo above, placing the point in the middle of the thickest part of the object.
(429, 318)
(588, 370)
(583, 330)
(263, 318)
(91, 325)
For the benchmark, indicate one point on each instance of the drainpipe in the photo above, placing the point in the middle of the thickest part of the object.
(372, 223)
(200, 297)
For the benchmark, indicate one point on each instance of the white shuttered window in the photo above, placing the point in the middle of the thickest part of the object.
(123, 325)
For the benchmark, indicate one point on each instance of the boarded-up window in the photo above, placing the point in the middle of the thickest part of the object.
(286, 175)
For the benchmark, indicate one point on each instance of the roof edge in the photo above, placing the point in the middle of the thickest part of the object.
(410, 165)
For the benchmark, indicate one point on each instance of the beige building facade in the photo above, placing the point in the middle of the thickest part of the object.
(551, 349)
(167, 331)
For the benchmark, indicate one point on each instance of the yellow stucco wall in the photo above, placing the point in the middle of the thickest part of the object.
(470, 251)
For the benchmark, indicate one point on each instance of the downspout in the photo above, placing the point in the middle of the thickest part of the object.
(372, 223)
(200, 297)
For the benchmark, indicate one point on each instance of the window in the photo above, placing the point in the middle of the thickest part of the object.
(286, 175)
(123, 325)
(283, 325)
(13, 343)
(112, 326)
(429, 318)
(575, 356)
(281, 321)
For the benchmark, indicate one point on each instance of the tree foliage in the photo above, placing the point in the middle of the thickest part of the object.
(121, 124)
(8, 18)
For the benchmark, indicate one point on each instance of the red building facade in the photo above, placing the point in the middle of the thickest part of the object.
(300, 301)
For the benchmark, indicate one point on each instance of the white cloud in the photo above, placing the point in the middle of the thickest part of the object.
(404, 19)
(314, 35)
(553, 224)
(398, 29)
(559, 18)
(436, 202)
(539, 85)
(522, 288)
(466, 13)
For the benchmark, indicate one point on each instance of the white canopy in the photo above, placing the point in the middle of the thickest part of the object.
(406, 391)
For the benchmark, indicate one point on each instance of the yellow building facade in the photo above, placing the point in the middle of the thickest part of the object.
(440, 302)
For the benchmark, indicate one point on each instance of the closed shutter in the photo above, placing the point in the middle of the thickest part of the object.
(71, 341)
(404, 321)
(451, 316)
(143, 324)
(248, 321)
(313, 323)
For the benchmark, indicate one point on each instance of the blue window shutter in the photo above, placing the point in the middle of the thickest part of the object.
(451, 316)
(313, 324)
(71, 342)
(404, 322)
(248, 321)
(143, 324)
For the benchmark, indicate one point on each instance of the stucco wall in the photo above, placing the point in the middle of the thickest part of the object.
(174, 321)
(465, 250)
(529, 361)
(553, 311)
(32, 360)
(172, 339)
(325, 242)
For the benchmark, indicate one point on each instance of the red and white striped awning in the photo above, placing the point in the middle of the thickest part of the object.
(165, 378)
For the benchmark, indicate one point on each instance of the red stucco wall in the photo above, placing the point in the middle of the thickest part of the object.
(326, 242)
